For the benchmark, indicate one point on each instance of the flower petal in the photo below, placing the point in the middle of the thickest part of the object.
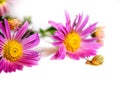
(88, 30)
(79, 21)
(30, 58)
(31, 41)
(88, 48)
(5, 28)
(60, 54)
(22, 31)
(60, 35)
(83, 23)
(57, 43)
(68, 22)
(57, 38)
(90, 45)
(74, 56)
(7, 66)
(59, 27)
(2, 41)
(90, 40)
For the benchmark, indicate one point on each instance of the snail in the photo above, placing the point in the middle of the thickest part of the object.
(96, 60)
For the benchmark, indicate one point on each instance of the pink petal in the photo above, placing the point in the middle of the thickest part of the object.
(7, 66)
(57, 38)
(79, 22)
(57, 43)
(2, 41)
(7, 29)
(58, 26)
(88, 30)
(30, 58)
(74, 56)
(21, 31)
(60, 54)
(31, 41)
(90, 40)
(68, 22)
(59, 35)
(83, 23)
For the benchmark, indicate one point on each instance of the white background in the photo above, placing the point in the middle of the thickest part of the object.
(69, 74)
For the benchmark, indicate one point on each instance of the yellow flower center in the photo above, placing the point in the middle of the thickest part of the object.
(2, 2)
(72, 41)
(12, 50)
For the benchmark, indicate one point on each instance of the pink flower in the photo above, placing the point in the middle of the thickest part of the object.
(4, 6)
(74, 39)
(15, 48)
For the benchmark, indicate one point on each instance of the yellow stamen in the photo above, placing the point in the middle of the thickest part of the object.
(12, 50)
(2, 2)
(14, 23)
(72, 41)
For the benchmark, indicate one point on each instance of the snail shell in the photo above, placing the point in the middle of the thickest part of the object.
(97, 60)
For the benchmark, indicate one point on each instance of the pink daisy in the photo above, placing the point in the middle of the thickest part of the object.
(15, 48)
(4, 6)
(74, 40)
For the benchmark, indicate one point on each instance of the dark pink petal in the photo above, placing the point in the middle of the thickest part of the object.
(91, 45)
(21, 31)
(83, 23)
(57, 43)
(58, 26)
(62, 29)
(7, 29)
(54, 24)
(74, 56)
(2, 41)
(30, 58)
(30, 53)
(79, 21)
(88, 49)
(1, 65)
(15, 66)
(2, 28)
(7, 66)
(1, 51)
(68, 22)
(88, 30)
(31, 41)
(60, 35)
(60, 54)
(57, 38)
(90, 40)
(87, 53)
